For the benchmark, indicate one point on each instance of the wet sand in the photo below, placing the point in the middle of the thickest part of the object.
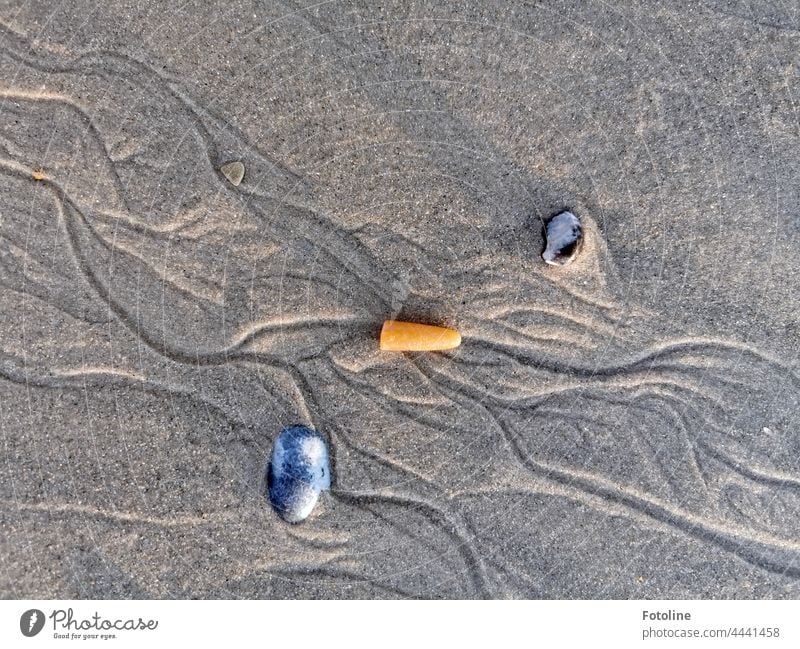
(623, 427)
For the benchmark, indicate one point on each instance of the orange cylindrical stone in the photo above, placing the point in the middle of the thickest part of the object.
(399, 336)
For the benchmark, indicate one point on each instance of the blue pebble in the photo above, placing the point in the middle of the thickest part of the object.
(298, 472)
(564, 234)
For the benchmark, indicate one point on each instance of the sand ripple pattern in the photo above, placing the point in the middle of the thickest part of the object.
(159, 327)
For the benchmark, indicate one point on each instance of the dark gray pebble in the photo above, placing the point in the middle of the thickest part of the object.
(564, 235)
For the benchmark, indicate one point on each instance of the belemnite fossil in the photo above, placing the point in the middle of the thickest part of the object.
(298, 471)
(564, 235)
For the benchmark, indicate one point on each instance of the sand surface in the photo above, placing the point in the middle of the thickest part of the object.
(625, 427)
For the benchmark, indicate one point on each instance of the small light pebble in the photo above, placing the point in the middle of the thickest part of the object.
(564, 235)
(234, 172)
(298, 472)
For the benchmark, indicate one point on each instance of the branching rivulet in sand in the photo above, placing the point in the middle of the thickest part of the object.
(399, 336)
(153, 307)
(564, 236)
(298, 472)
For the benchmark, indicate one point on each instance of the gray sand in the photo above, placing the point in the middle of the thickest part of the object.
(624, 427)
